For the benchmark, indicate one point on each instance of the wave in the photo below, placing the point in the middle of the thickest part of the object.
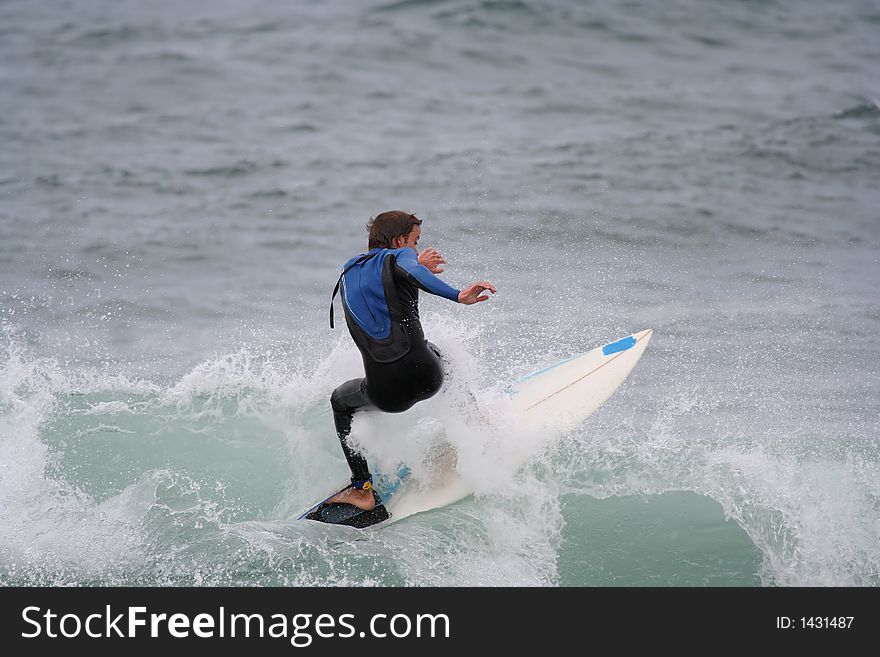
(195, 480)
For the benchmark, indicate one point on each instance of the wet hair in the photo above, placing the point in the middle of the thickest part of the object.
(385, 227)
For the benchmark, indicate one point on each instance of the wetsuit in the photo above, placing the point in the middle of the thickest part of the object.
(380, 297)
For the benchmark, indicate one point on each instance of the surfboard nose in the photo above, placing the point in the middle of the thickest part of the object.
(646, 335)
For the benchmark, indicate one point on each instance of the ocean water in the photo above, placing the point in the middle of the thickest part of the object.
(180, 183)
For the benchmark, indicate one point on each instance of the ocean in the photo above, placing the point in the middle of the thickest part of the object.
(180, 184)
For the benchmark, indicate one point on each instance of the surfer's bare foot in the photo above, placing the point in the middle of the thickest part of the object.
(362, 499)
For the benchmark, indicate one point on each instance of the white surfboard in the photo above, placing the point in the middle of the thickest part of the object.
(553, 400)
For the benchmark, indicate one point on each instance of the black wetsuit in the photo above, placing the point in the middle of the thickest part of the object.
(380, 297)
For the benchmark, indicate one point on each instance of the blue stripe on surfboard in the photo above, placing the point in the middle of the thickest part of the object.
(546, 369)
(620, 345)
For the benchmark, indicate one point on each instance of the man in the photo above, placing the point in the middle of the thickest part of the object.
(380, 297)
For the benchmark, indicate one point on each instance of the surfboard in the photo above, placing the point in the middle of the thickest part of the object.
(553, 400)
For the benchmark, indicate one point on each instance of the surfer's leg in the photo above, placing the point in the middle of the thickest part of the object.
(348, 398)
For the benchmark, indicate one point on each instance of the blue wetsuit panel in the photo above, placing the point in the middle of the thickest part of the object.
(365, 295)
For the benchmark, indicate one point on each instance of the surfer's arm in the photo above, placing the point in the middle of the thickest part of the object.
(407, 260)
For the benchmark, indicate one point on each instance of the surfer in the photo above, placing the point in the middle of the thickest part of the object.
(380, 297)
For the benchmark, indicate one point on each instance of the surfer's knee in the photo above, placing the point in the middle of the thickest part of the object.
(349, 396)
(336, 402)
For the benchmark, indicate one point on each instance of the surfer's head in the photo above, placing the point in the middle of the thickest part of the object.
(394, 230)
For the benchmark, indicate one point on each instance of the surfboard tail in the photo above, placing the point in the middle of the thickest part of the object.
(347, 514)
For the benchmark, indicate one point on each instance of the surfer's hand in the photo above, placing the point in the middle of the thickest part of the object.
(471, 294)
(432, 259)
